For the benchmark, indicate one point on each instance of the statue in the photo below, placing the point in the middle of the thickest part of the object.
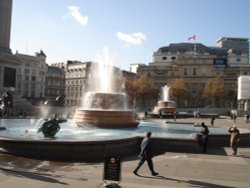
(7, 99)
(51, 127)
(7, 104)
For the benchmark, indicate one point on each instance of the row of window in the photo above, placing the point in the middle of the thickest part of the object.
(55, 83)
(72, 88)
(53, 92)
(75, 82)
(74, 94)
(32, 64)
(166, 58)
(28, 78)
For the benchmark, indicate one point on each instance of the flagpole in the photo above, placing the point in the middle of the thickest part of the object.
(194, 48)
(193, 38)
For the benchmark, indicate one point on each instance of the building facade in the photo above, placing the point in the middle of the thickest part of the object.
(76, 80)
(55, 83)
(196, 64)
(31, 76)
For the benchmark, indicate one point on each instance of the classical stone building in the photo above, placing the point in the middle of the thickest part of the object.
(31, 76)
(55, 83)
(76, 76)
(196, 64)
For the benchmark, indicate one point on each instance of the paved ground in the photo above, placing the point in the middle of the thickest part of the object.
(218, 168)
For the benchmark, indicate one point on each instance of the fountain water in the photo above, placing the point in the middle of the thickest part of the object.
(165, 105)
(103, 105)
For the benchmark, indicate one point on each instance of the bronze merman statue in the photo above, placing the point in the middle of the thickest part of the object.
(51, 127)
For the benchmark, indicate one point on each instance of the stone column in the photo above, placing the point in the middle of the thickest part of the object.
(5, 25)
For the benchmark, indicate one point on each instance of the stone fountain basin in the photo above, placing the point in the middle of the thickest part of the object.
(91, 144)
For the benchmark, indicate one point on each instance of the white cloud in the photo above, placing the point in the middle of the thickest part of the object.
(75, 13)
(134, 38)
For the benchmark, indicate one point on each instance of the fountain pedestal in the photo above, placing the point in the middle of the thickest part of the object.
(105, 110)
(165, 107)
(105, 118)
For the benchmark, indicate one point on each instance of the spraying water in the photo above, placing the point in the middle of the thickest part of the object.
(165, 93)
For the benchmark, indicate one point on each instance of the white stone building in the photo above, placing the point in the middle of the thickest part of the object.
(31, 76)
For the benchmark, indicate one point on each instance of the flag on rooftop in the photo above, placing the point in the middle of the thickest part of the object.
(193, 37)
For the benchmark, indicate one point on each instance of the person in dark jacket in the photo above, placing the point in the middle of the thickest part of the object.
(204, 136)
(146, 155)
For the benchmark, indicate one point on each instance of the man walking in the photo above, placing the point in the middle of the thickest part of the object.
(146, 155)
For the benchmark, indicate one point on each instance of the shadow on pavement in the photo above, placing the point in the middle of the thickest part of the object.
(201, 184)
(32, 175)
(193, 183)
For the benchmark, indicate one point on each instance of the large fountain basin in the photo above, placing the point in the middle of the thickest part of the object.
(74, 143)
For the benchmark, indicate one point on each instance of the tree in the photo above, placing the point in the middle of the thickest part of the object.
(179, 90)
(140, 90)
(214, 91)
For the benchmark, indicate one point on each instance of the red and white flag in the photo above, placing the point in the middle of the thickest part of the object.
(192, 37)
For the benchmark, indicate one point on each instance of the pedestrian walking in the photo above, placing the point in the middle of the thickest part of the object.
(234, 139)
(204, 137)
(212, 121)
(146, 155)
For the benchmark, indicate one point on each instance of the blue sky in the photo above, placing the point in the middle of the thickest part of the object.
(131, 30)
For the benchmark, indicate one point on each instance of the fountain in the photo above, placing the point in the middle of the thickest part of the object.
(105, 111)
(113, 130)
(103, 105)
(165, 105)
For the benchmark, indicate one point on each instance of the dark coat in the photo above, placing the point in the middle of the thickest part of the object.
(146, 148)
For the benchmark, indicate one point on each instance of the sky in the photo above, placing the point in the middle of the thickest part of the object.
(130, 30)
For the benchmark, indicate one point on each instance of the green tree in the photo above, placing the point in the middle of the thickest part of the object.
(214, 91)
(179, 90)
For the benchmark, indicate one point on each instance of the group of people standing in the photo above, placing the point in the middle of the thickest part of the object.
(146, 153)
(234, 138)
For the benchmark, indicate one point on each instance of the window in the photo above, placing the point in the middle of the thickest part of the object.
(204, 71)
(26, 71)
(193, 90)
(19, 77)
(185, 72)
(33, 93)
(164, 58)
(194, 71)
(33, 86)
(26, 77)
(33, 78)
(173, 58)
(26, 86)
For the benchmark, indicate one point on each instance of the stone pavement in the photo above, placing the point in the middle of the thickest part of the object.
(218, 168)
